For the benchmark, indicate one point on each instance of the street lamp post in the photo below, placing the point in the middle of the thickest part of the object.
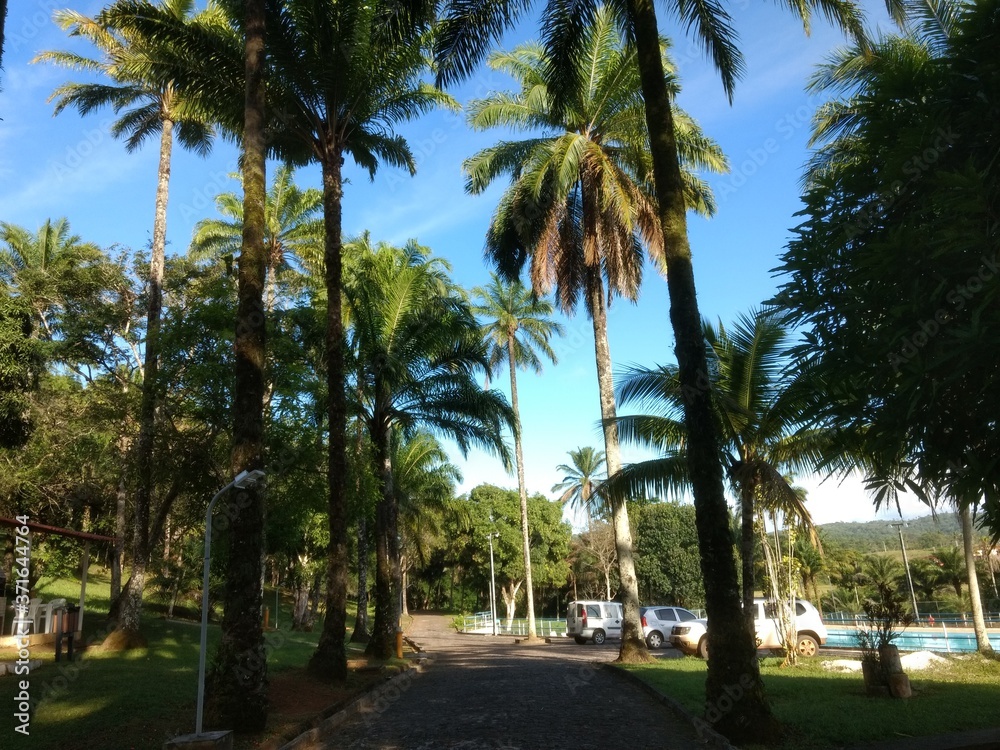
(243, 480)
(493, 587)
(906, 564)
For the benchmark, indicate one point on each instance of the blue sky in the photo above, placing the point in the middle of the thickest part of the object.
(71, 166)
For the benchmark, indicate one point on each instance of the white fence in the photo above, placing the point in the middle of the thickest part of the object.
(480, 623)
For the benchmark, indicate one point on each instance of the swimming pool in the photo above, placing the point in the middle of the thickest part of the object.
(945, 640)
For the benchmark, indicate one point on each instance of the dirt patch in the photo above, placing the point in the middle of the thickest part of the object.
(297, 701)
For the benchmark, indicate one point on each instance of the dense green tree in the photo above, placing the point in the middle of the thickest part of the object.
(516, 325)
(20, 366)
(905, 171)
(666, 545)
(419, 348)
(579, 207)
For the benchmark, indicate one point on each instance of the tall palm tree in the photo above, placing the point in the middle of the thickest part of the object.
(756, 413)
(150, 106)
(420, 347)
(463, 39)
(325, 104)
(579, 205)
(293, 231)
(517, 324)
(240, 668)
(581, 480)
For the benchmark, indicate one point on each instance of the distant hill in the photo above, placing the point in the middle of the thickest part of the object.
(942, 530)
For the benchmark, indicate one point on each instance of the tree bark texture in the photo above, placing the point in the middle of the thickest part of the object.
(240, 668)
(521, 489)
(330, 659)
(633, 646)
(388, 577)
(360, 634)
(732, 658)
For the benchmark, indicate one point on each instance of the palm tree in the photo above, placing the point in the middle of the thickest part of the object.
(325, 104)
(424, 480)
(518, 323)
(240, 668)
(951, 564)
(293, 233)
(756, 413)
(150, 106)
(463, 38)
(579, 206)
(581, 480)
(420, 347)
(45, 268)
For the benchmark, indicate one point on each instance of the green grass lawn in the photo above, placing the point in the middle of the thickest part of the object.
(140, 698)
(822, 709)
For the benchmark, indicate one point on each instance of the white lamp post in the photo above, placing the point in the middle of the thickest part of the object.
(243, 480)
(493, 586)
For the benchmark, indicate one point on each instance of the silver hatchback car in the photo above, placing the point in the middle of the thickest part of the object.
(658, 620)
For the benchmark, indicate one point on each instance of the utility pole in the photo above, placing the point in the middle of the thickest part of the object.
(906, 564)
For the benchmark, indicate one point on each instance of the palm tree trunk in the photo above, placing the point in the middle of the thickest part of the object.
(983, 644)
(127, 634)
(330, 658)
(521, 489)
(633, 648)
(239, 676)
(732, 653)
(118, 553)
(387, 568)
(747, 544)
(360, 634)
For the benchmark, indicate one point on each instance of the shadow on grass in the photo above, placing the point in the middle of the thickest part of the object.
(136, 699)
(821, 709)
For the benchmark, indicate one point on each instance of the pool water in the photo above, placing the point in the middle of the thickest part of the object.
(923, 639)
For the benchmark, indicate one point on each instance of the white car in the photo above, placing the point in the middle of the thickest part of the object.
(692, 637)
(657, 622)
(594, 621)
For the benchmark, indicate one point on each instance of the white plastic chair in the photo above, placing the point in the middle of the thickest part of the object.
(46, 614)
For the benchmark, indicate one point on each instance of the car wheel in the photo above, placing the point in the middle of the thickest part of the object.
(654, 640)
(579, 639)
(599, 637)
(703, 647)
(807, 645)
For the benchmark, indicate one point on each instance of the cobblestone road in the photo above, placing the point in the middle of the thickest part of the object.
(484, 693)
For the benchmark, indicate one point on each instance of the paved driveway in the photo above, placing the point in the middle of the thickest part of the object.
(481, 692)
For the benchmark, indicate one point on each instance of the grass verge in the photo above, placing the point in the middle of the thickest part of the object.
(139, 699)
(821, 709)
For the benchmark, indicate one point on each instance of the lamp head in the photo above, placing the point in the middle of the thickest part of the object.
(248, 478)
